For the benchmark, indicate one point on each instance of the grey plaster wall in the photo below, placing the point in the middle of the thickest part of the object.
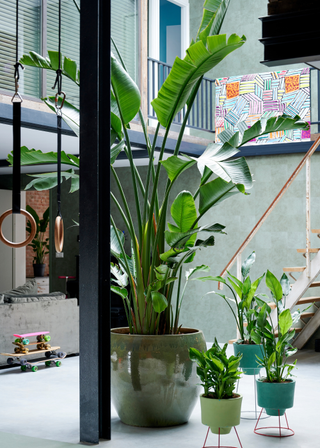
(70, 212)
(275, 244)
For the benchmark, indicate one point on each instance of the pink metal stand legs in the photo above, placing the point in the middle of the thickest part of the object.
(220, 446)
(282, 431)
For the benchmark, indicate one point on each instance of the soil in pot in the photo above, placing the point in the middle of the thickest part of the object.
(153, 380)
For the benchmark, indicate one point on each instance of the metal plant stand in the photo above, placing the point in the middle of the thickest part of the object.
(282, 430)
(254, 414)
(221, 446)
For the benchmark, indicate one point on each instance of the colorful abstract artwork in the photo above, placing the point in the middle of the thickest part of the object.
(242, 100)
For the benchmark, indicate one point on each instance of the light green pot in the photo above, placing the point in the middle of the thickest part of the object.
(223, 414)
(275, 397)
(153, 381)
(249, 363)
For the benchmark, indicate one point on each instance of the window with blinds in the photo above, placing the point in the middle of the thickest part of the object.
(70, 43)
(29, 39)
(124, 31)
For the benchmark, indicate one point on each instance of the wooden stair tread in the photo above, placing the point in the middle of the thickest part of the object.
(311, 251)
(315, 285)
(306, 314)
(295, 269)
(306, 300)
(315, 230)
(272, 305)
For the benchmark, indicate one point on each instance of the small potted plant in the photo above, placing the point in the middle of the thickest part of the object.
(276, 390)
(220, 406)
(39, 244)
(247, 305)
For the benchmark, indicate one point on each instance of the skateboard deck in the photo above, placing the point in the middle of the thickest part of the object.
(31, 352)
(38, 333)
(33, 366)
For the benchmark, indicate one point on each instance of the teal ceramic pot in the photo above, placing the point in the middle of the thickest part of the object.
(274, 397)
(223, 414)
(248, 362)
(153, 381)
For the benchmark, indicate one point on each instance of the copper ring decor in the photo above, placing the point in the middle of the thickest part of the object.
(30, 237)
(58, 234)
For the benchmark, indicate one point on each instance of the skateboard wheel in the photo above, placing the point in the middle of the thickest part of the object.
(48, 363)
(47, 354)
(25, 341)
(17, 340)
(10, 361)
(60, 354)
(47, 346)
(58, 363)
(47, 337)
(17, 349)
(23, 368)
(23, 362)
(34, 368)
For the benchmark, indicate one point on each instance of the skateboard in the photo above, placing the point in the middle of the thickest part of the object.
(22, 342)
(21, 350)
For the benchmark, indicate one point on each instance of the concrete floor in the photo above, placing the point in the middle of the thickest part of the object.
(41, 410)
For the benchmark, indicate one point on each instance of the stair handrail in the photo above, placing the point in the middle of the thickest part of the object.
(255, 229)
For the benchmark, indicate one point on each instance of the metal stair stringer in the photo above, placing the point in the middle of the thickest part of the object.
(298, 289)
(307, 331)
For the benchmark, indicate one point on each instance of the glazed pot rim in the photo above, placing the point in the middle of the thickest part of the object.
(124, 331)
(287, 381)
(246, 345)
(222, 399)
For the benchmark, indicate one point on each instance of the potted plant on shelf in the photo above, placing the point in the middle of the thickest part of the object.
(220, 406)
(39, 244)
(146, 363)
(276, 390)
(247, 304)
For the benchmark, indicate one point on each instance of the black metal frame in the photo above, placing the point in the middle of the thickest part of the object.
(94, 221)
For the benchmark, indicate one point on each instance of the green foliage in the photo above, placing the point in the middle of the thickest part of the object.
(151, 268)
(248, 305)
(277, 347)
(39, 243)
(217, 372)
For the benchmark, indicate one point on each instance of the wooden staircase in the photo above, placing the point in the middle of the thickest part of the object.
(310, 320)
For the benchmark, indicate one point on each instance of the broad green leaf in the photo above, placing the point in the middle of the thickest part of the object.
(174, 166)
(285, 284)
(192, 271)
(197, 356)
(274, 285)
(271, 359)
(122, 292)
(184, 213)
(285, 321)
(215, 192)
(215, 158)
(159, 301)
(115, 247)
(252, 292)
(125, 91)
(47, 181)
(246, 265)
(213, 16)
(161, 271)
(179, 239)
(70, 114)
(115, 119)
(51, 62)
(121, 277)
(184, 74)
(36, 157)
(115, 151)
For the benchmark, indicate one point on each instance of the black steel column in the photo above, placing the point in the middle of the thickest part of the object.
(94, 221)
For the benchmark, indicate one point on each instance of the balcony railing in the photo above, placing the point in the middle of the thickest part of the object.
(202, 113)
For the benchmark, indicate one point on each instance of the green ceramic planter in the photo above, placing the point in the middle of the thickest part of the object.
(153, 380)
(248, 362)
(275, 397)
(223, 414)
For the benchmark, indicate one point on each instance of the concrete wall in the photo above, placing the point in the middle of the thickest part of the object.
(275, 244)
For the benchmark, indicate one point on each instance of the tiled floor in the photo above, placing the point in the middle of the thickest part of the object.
(40, 410)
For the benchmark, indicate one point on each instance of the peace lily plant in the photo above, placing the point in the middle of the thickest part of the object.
(159, 249)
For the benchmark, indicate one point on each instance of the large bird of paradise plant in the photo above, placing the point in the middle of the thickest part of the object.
(158, 249)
